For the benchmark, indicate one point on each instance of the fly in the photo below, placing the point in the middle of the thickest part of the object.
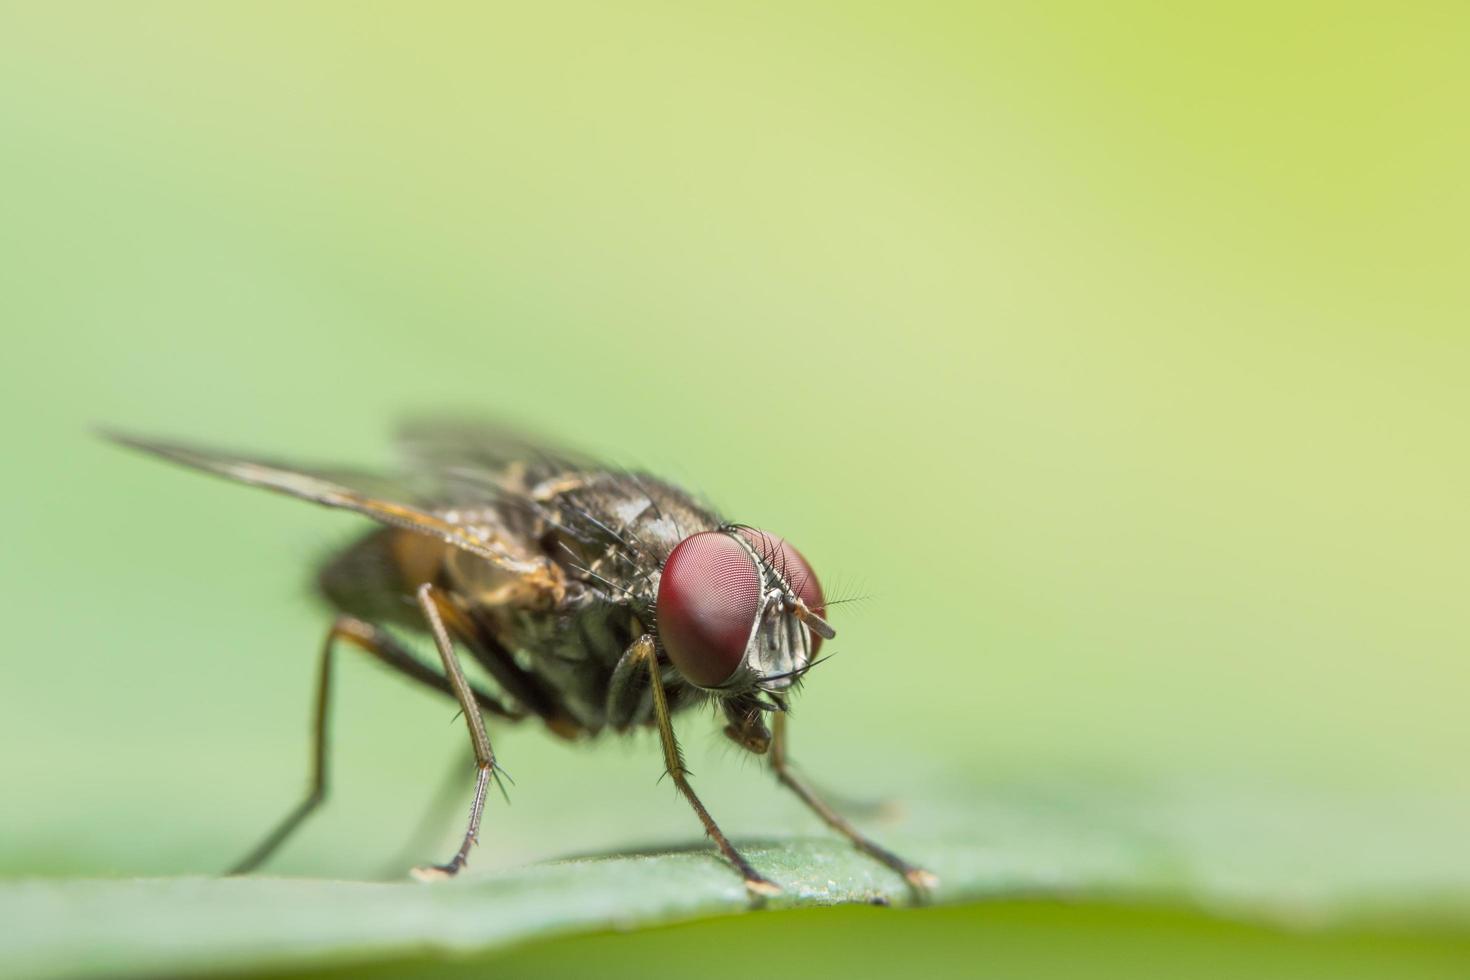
(595, 599)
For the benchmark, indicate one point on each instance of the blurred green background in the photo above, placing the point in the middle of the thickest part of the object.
(1117, 352)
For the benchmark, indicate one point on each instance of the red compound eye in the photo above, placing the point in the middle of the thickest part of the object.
(788, 562)
(708, 597)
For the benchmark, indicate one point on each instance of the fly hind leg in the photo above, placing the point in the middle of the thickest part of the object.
(429, 604)
(378, 643)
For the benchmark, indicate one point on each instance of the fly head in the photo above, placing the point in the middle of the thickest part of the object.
(739, 612)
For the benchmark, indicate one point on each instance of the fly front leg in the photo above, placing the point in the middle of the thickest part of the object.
(920, 880)
(758, 886)
(479, 741)
(627, 702)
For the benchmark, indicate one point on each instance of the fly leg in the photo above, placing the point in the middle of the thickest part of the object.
(920, 880)
(484, 757)
(627, 702)
(520, 685)
(755, 883)
(378, 643)
(435, 816)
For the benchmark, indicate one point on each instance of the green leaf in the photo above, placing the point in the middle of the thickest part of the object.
(1312, 863)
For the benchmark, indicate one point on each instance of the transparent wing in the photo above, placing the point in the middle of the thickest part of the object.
(389, 499)
(474, 456)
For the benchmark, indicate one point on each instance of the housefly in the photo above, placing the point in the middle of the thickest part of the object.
(595, 599)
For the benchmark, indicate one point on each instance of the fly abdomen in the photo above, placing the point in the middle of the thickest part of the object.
(375, 578)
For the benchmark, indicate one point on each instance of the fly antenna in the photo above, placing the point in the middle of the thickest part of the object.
(813, 622)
